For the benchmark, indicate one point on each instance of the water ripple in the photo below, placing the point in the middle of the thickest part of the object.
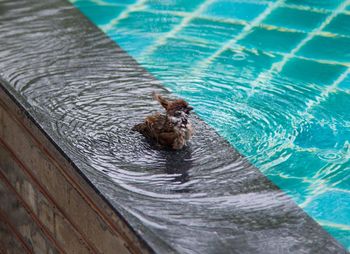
(90, 95)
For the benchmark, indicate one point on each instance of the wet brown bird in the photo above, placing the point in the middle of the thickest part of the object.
(171, 130)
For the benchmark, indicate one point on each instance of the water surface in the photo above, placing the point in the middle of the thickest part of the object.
(272, 77)
(86, 93)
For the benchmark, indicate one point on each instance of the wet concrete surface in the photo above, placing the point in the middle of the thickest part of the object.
(86, 93)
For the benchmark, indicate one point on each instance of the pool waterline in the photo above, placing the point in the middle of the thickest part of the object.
(281, 101)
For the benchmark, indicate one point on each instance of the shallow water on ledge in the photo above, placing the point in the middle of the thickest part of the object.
(276, 88)
(207, 191)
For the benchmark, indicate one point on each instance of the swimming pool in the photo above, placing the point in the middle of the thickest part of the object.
(272, 77)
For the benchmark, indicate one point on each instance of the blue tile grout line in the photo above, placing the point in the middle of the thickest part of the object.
(187, 19)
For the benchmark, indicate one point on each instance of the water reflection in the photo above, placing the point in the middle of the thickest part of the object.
(87, 94)
(179, 163)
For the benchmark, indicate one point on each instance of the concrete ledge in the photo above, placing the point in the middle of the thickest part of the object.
(51, 196)
(51, 59)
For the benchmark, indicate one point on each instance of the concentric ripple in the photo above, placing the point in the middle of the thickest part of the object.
(284, 108)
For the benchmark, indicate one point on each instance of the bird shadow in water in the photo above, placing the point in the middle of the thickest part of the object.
(179, 163)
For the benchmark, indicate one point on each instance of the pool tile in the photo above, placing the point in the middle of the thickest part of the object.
(240, 62)
(336, 106)
(327, 48)
(268, 97)
(323, 4)
(119, 1)
(339, 233)
(298, 92)
(342, 181)
(174, 5)
(176, 49)
(272, 40)
(149, 23)
(295, 19)
(101, 14)
(235, 10)
(333, 119)
(235, 69)
(308, 71)
(296, 188)
(320, 134)
(339, 25)
(345, 84)
(331, 206)
(213, 31)
(302, 164)
(140, 42)
(181, 53)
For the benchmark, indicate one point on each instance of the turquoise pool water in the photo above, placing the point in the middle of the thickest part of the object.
(272, 77)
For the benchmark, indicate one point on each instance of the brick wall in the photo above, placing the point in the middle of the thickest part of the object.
(46, 206)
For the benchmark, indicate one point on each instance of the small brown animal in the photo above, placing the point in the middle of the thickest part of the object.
(170, 130)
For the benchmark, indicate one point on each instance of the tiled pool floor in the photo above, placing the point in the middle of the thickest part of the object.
(272, 77)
